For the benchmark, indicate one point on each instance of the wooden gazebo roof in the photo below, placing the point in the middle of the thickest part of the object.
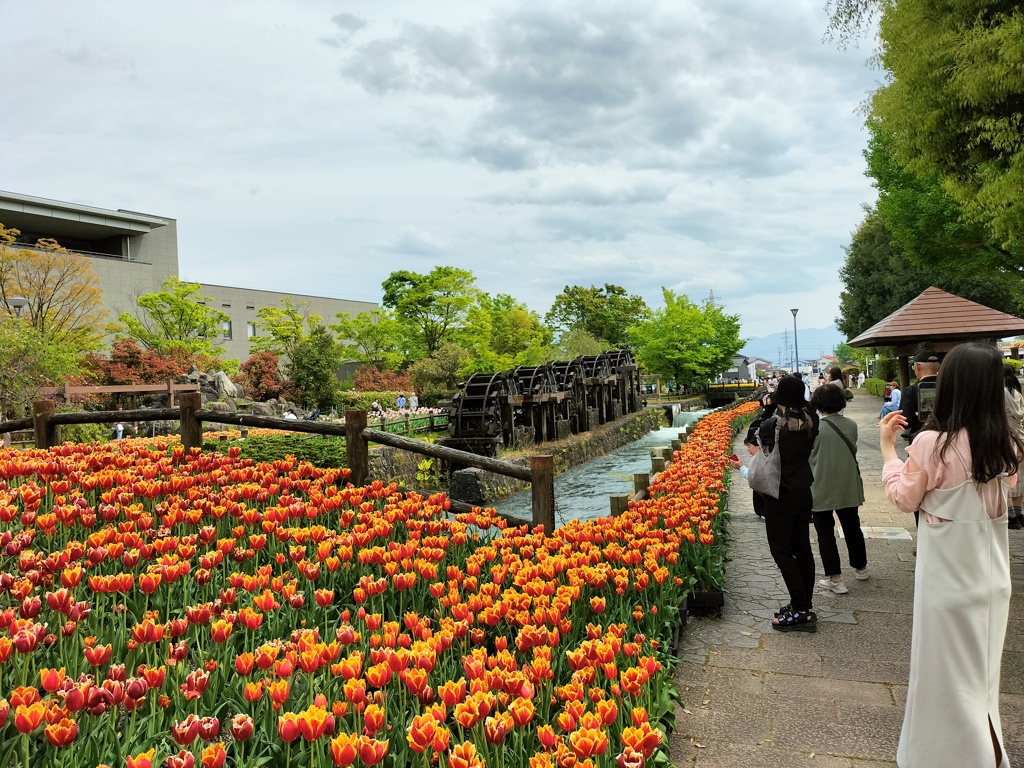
(937, 318)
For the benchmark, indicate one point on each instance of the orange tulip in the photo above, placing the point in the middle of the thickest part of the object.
(214, 755)
(62, 733)
(28, 718)
(344, 749)
(373, 720)
(288, 727)
(421, 733)
(522, 711)
(144, 760)
(465, 756)
(313, 723)
(220, 631)
(372, 751)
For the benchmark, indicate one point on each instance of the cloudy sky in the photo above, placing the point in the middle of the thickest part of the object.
(315, 146)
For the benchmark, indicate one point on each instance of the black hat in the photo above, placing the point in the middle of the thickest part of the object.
(789, 393)
(927, 356)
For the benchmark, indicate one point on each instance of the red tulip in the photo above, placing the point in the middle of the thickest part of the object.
(144, 760)
(242, 727)
(186, 731)
(344, 749)
(288, 727)
(181, 760)
(28, 718)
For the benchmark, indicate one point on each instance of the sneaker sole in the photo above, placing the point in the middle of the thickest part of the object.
(807, 626)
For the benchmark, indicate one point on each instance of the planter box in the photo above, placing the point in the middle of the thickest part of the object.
(706, 603)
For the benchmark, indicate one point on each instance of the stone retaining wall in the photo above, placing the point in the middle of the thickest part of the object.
(479, 487)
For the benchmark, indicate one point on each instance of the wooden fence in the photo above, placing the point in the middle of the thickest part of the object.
(541, 473)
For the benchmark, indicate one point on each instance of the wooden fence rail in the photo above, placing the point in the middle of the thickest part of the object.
(44, 421)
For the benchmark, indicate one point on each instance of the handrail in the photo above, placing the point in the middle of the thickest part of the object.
(506, 468)
(271, 422)
(16, 425)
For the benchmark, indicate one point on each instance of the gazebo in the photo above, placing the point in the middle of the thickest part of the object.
(937, 320)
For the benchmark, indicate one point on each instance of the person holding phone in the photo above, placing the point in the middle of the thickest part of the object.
(959, 471)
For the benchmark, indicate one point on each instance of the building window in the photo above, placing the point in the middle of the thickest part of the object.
(225, 329)
(226, 304)
(250, 330)
(250, 306)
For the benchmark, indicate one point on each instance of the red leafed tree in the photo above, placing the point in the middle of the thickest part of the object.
(261, 378)
(369, 379)
(131, 364)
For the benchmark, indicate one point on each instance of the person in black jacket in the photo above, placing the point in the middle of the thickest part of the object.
(767, 409)
(916, 412)
(788, 518)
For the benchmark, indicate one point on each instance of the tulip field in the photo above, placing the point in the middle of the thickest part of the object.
(168, 608)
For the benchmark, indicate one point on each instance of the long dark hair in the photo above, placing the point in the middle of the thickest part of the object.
(969, 396)
(1010, 378)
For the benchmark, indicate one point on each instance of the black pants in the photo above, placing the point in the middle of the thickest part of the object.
(788, 528)
(825, 525)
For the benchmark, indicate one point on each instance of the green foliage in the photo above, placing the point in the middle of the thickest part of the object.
(845, 352)
(373, 337)
(878, 279)
(952, 106)
(318, 451)
(1015, 364)
(174, 317)
(440, 372)
(313, 367)
(605, 313)
(433, 307)
(684, 341)
(502, 333)
(579, 342)
(282, 328)
(363, 400)
(30, 360)
(84, 433)
(875, 386)
(888, 369)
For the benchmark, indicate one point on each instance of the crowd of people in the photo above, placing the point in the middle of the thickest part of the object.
(964, 419)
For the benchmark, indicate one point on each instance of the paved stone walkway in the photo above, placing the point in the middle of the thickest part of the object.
(755, 697)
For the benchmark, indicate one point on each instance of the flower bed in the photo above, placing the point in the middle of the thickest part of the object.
(165, 608)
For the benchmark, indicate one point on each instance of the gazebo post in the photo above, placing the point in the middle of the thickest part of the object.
(904, 372)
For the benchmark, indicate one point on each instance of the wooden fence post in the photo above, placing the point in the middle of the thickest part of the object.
(191, 427)
(542, 468)
(46, 433)
(619, 504)
(641, 481)
(355, 446)
(657, 464)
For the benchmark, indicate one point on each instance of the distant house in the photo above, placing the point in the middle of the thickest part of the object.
(825, 363)
(758, 365)
(740, 371)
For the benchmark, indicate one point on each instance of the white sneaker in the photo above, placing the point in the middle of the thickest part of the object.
(836, 586)
(861, 574)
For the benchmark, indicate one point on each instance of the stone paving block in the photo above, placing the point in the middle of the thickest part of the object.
(891, 672)
(824, 689)
(847, 739)
(726, 755)
(793, 659)
(750, 727)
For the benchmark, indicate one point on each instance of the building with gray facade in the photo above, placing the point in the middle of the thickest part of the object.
(133, 253)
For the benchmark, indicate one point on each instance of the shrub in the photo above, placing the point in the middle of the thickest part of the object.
(1015, 363)
(364, 400)
(319, 451)
(888, 368)
(261, 378)
(371, 379)
(874, 386)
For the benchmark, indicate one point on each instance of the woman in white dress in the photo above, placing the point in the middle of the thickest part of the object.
(959, 471)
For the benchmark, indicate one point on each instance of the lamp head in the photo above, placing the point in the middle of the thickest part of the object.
(17, 303)
(794, 311)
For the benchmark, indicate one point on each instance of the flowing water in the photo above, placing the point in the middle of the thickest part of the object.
(583, 491)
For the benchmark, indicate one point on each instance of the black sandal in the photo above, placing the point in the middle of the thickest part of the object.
(796, 621)
(787, 608)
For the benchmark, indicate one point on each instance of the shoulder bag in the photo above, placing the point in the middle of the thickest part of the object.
(764, 474)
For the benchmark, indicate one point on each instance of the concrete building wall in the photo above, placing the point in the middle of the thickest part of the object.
(243, 304)
(154, 258)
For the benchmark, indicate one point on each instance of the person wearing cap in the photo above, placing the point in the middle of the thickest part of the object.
(926, 369)
(787, 518)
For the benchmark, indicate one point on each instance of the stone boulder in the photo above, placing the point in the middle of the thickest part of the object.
(263, 409)
(225, 386)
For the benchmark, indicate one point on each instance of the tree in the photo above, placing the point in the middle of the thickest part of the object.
(374, 337)
(605, 313)
(261, 378)
(313, 367)
(440, 372)
(684, 341)
(929, 225)
(30, 360)
(371, 379)
(284, 326)
(432, 306)
(502, 333)
(578, 342)
(878, 279)
(128, 363)
(65, 303)
(175, 317)
(952, 107)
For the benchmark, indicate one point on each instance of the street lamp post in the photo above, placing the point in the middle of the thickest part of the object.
(16, 304)
(796, 347)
